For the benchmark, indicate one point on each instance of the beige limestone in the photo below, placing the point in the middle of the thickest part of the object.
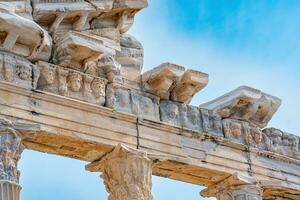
(246, 103)
(89, 96)
(127, 174)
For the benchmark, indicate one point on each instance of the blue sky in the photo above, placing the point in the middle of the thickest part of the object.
(238, 42)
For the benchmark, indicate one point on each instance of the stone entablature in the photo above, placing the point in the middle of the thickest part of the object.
(70, 67)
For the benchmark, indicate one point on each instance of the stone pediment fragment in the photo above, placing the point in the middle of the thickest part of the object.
(161, 80)
(245, 103)
(18, 70)
(130, 57)
(76, 49)
(71, 83)
(23, 36)
(190, 83)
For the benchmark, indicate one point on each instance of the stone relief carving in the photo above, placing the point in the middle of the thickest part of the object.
(247, 104)
(130, 57)
(242, 132)
(190, 117)
(21, 35)
(127, 174)
(169, 112)
(18, 70)
(71, 83)
(122, 99)
(282, 142)
(211, 122)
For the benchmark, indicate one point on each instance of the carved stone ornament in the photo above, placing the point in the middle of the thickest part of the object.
(189, 84)
(236, 187)
(71, 83)
(161, 80)
(127, 174)
(247, 104)
(18, 70)
(21, 35)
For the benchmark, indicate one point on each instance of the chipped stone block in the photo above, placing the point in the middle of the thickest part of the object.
(190, 83)
(18, 70)
(130, 4)
(60, 16)
(118, 98)
(71, 83)
(22, 36)
(109, 68)
(77, 50)
(130, 57)
(211, 122)
(145, 106)
(242, 132)
(122, 99)
(246, 104)
(169, 112)
(160, 81)
(282, 142)
(190, 117)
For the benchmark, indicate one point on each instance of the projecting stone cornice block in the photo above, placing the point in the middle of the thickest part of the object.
(245, 103)
(23, 36)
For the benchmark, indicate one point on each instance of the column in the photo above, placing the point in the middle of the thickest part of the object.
(127, 174)
(10, 150)
(236, 187)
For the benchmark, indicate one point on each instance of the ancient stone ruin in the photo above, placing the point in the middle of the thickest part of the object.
(72, 85)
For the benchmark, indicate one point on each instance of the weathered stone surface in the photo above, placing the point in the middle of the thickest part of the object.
(60, 16)
(127, 174)
(236, 187)
(131, 58)
(18, 70)
(71, 83)
(121, 16)
(161, 80)
(189, 84)
(191, 117)
(77, 50)
(242, 132)
(246, 104)
(21, 35)
(122, 99)
(282, 142)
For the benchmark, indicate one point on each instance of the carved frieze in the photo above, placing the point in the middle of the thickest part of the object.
(131, 58)
(282, 142)
(123, 99)
(21, 35)
(71, 83)
(243, 132)
(211, 122)
(169, 112)
(247, 104)
(18, 70)
(189, 84)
